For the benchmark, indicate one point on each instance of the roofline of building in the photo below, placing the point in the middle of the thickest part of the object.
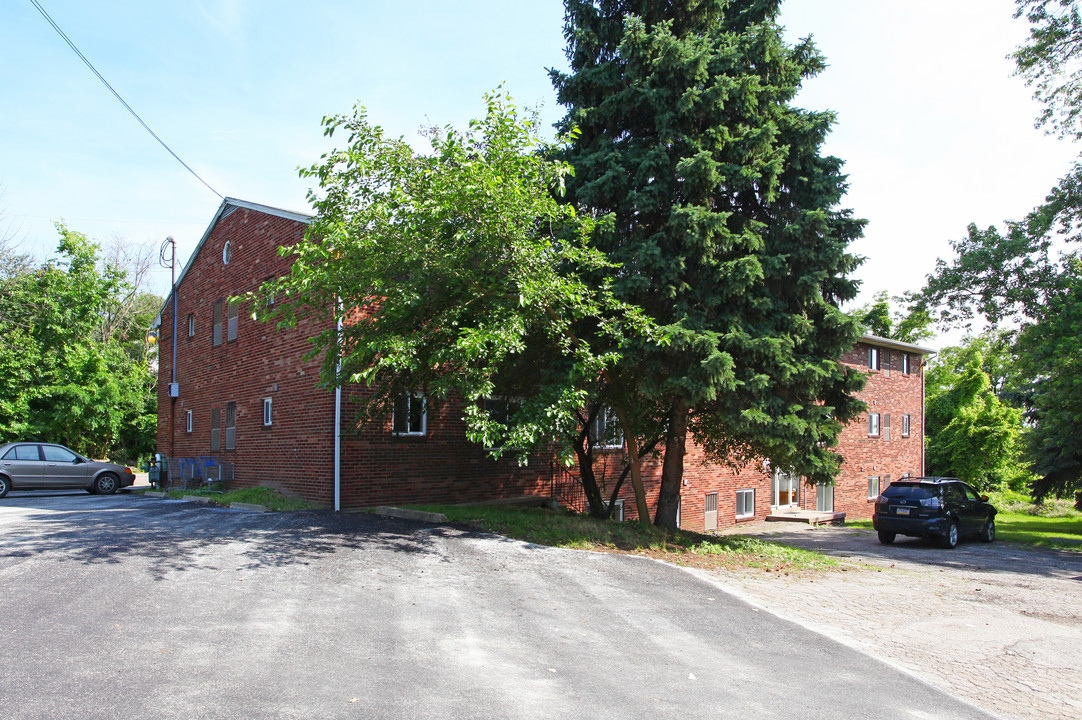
(896, 344)
(226, 204)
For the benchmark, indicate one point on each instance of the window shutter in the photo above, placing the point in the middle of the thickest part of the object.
(886, 427)
(710, 506)
(216, 335)
(233, 310)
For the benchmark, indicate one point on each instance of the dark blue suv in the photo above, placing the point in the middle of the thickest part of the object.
(933, 507)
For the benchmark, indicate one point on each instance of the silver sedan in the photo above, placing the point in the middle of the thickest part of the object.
(45, 466)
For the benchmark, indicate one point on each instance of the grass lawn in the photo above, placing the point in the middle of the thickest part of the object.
(562, 529)
(272, 499)
(1064, 533)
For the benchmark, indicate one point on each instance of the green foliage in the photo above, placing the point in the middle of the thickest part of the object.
(1050, 358)
(69, 374)
(969, 432)
(562, 529)
(455, 272)
(1049, 62)
(715, 201)
(878, 318)
(1028, 274)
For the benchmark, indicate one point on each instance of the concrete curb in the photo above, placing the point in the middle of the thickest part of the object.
(203, 499)
(248, 507)
(154, 493)
(411, 514)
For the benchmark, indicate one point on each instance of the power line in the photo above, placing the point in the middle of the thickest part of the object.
(117, 96)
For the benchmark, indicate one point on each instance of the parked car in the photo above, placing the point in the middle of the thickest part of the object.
(37, 466)
(933, 507)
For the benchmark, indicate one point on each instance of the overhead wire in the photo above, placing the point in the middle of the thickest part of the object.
(117, 96)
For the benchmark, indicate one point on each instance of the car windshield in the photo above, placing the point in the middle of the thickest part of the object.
(914, 492)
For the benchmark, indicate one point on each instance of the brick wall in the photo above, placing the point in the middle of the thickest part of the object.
(295, 453)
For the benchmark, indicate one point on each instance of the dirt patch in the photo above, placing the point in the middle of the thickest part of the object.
(998, 624)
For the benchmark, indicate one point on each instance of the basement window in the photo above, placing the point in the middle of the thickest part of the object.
(745, 504)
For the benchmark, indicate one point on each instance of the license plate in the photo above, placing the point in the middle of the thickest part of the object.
(901, 511)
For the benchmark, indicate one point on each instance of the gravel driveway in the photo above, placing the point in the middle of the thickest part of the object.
(999, 624)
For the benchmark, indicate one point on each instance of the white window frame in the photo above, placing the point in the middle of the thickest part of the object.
(745, 493)
(227, 252)
(599, 428)
(906, 425)
(905, 364)
(618, 510)
(410, 398)
(874, 427)
(191, 325)
(878, 486)
(268, 411)
(873, 358)
(230, 428)
(188, 421)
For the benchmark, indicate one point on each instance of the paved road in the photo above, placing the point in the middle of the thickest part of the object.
(1006, 619)
(128, 607)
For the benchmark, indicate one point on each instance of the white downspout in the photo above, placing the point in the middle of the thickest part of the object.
(338, 427)
(923, 414)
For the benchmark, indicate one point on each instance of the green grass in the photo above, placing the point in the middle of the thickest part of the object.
(562, 529)
(271, 499)
(1058, 532)
(1028, 528)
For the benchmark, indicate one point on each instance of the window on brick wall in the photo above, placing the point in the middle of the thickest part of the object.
(605, 429)
(188, 421)
(234, 311)
(745, 503)
(873, 358)
(874, 488)
(230, 426)
(905, 425)
(410, 415)
(500, 410)
(873, 424)
(905, 363)
(216, 332)
(191, 325)
(618, 510)
(215, 430)
(227, 252)
(267, 418)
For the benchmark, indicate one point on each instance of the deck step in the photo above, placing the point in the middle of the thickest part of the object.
(811, 517)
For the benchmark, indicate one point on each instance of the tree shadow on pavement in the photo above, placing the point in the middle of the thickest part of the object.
(172, 536)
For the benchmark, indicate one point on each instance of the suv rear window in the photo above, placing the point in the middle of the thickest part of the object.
(912, 492)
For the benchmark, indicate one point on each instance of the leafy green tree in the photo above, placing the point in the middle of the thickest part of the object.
(1050, 361)
(878, 318)
(969, 432)
(1024, 279)
(456, 273)
(715, 201)
(65, 377)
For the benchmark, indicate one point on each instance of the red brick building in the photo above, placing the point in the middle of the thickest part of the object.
(241, 392)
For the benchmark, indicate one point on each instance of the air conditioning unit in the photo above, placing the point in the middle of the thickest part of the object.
(174, 389)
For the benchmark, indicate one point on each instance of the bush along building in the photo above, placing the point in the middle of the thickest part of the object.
(247, 406)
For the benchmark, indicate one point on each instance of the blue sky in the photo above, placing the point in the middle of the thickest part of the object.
(935, 131)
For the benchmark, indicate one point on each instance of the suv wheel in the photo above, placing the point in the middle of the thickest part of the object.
(886, 537)
(950, 540)
(988, 532)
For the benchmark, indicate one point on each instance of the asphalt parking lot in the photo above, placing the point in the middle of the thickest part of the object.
(130, 607)
(999, 624)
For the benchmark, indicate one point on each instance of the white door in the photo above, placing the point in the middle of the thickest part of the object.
(786, 490)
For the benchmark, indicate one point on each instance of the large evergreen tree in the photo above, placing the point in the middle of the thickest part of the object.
(713, 196)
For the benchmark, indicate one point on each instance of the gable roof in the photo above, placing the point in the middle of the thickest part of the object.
(895, 344)
(228, 206)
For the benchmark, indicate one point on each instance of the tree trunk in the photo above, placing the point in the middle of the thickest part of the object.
(594, 502)
(672, 470)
